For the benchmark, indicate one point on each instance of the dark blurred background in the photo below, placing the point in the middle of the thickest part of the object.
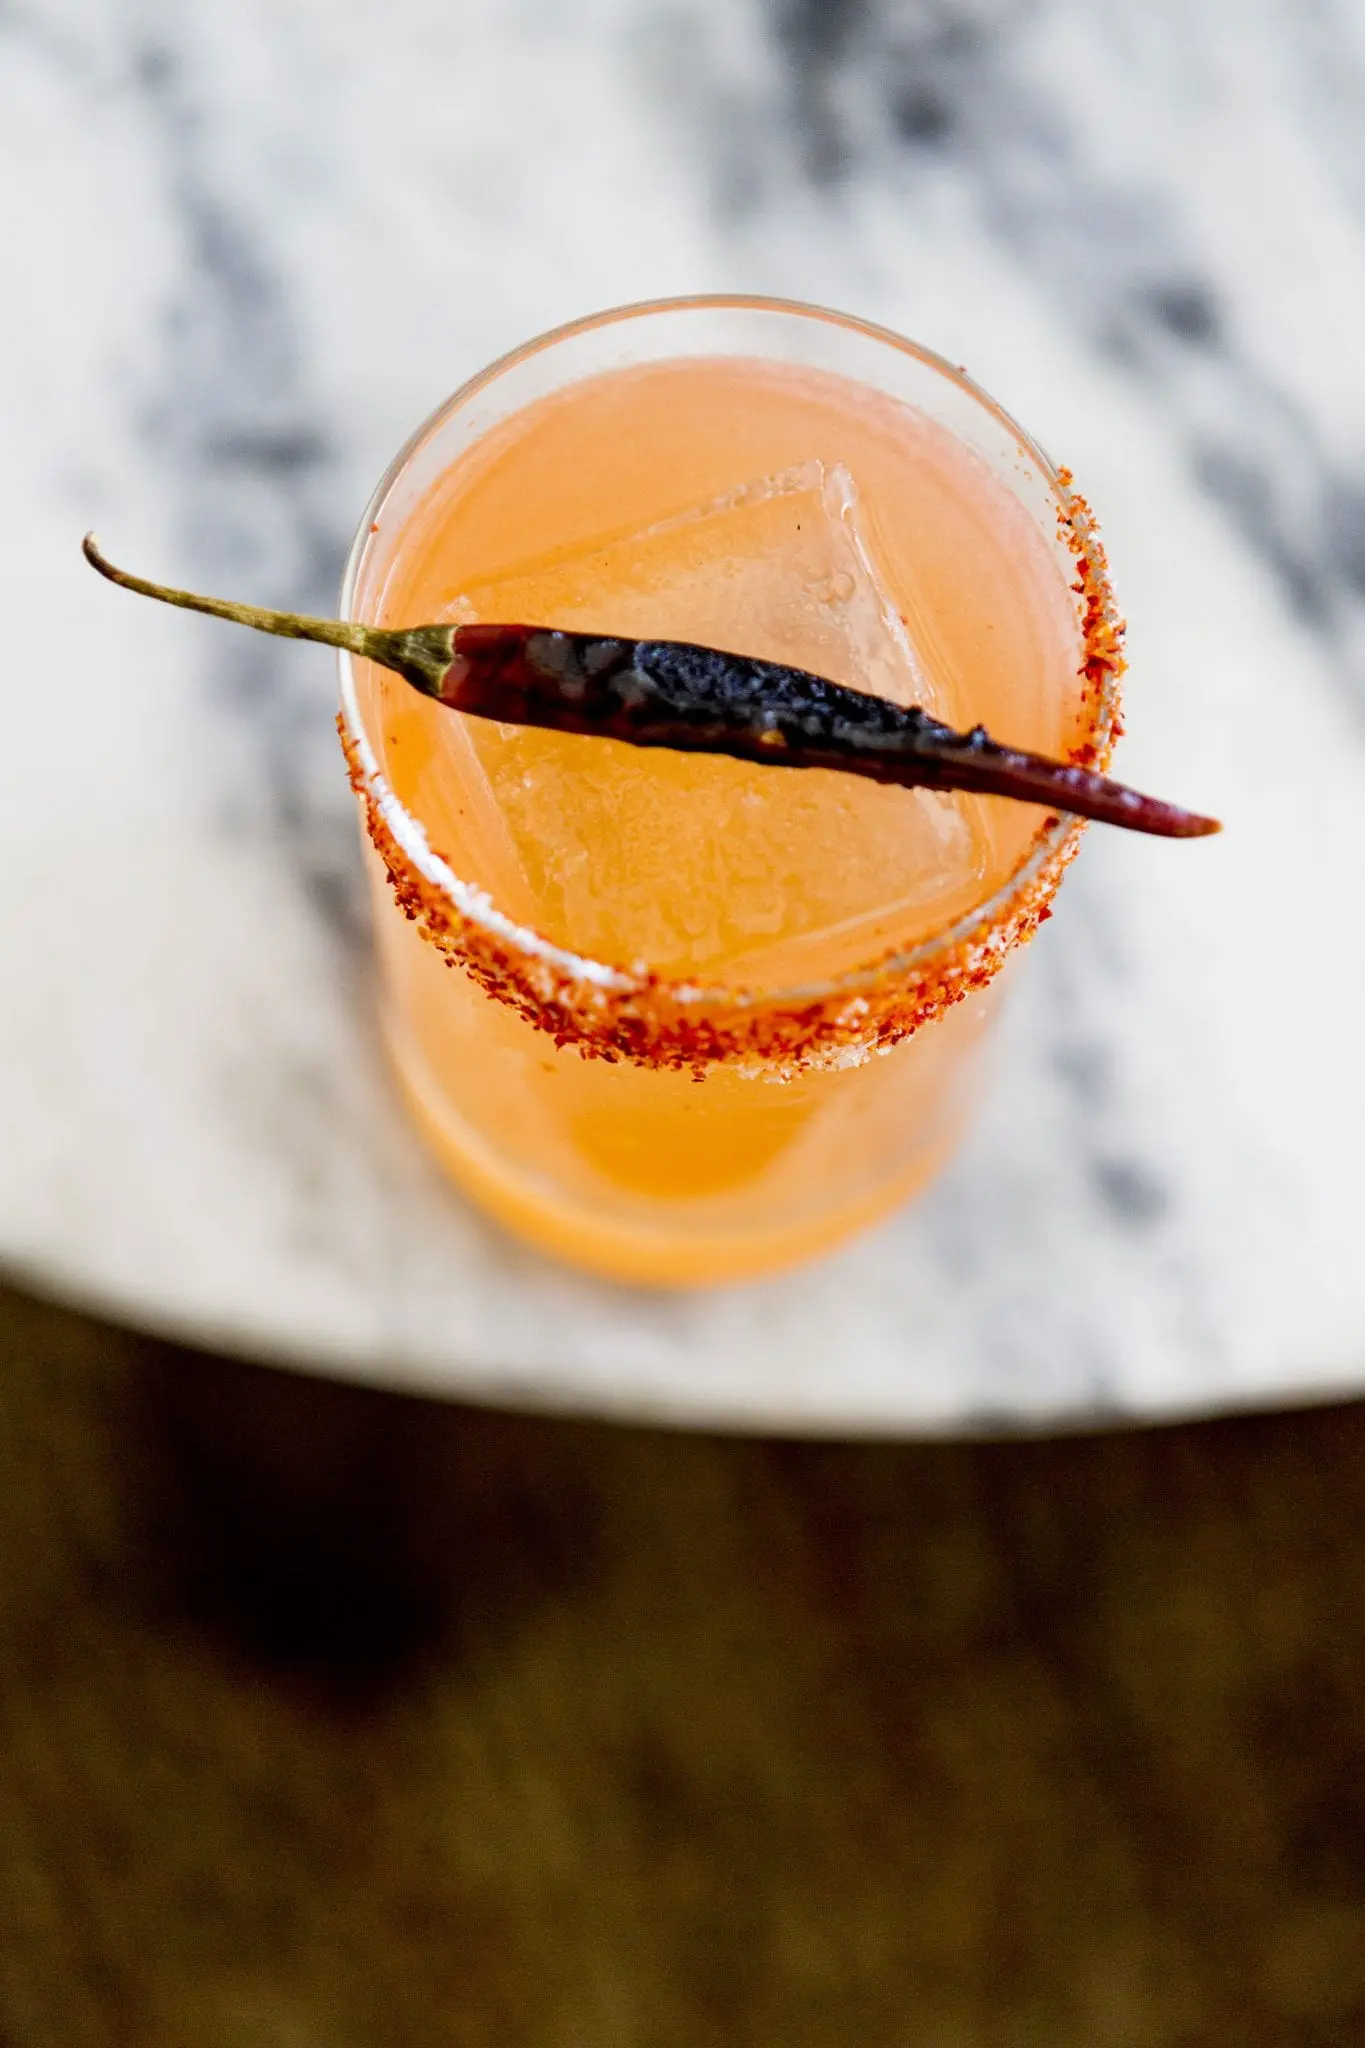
(336, 1717)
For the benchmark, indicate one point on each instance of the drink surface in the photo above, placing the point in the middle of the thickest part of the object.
(780, 512)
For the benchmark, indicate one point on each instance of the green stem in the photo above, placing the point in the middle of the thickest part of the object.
(421, 656)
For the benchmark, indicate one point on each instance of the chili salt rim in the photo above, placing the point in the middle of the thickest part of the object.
(614, 1013)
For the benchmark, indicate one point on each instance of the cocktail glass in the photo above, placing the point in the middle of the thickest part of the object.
(678, 1019)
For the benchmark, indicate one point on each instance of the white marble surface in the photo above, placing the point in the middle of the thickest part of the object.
(248, 243)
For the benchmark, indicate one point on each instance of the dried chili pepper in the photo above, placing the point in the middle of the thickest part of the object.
(669, 693)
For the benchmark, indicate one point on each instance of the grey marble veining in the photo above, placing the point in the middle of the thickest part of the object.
(248, 245)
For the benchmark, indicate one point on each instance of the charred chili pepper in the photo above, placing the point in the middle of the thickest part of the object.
(669, 693)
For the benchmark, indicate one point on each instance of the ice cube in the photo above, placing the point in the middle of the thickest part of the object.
(499, 865)
(698, 864)
(781, 568)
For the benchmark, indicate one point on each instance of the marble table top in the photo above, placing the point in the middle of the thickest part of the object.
(247, 245)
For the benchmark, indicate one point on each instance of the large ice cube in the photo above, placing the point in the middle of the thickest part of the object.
(706, 865)
(781, 568)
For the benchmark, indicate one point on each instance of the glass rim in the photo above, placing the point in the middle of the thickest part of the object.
(986, 932)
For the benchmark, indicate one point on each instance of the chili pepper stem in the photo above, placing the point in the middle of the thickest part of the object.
(421, 656)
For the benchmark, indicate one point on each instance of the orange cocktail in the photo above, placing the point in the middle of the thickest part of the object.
(672, 1016)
